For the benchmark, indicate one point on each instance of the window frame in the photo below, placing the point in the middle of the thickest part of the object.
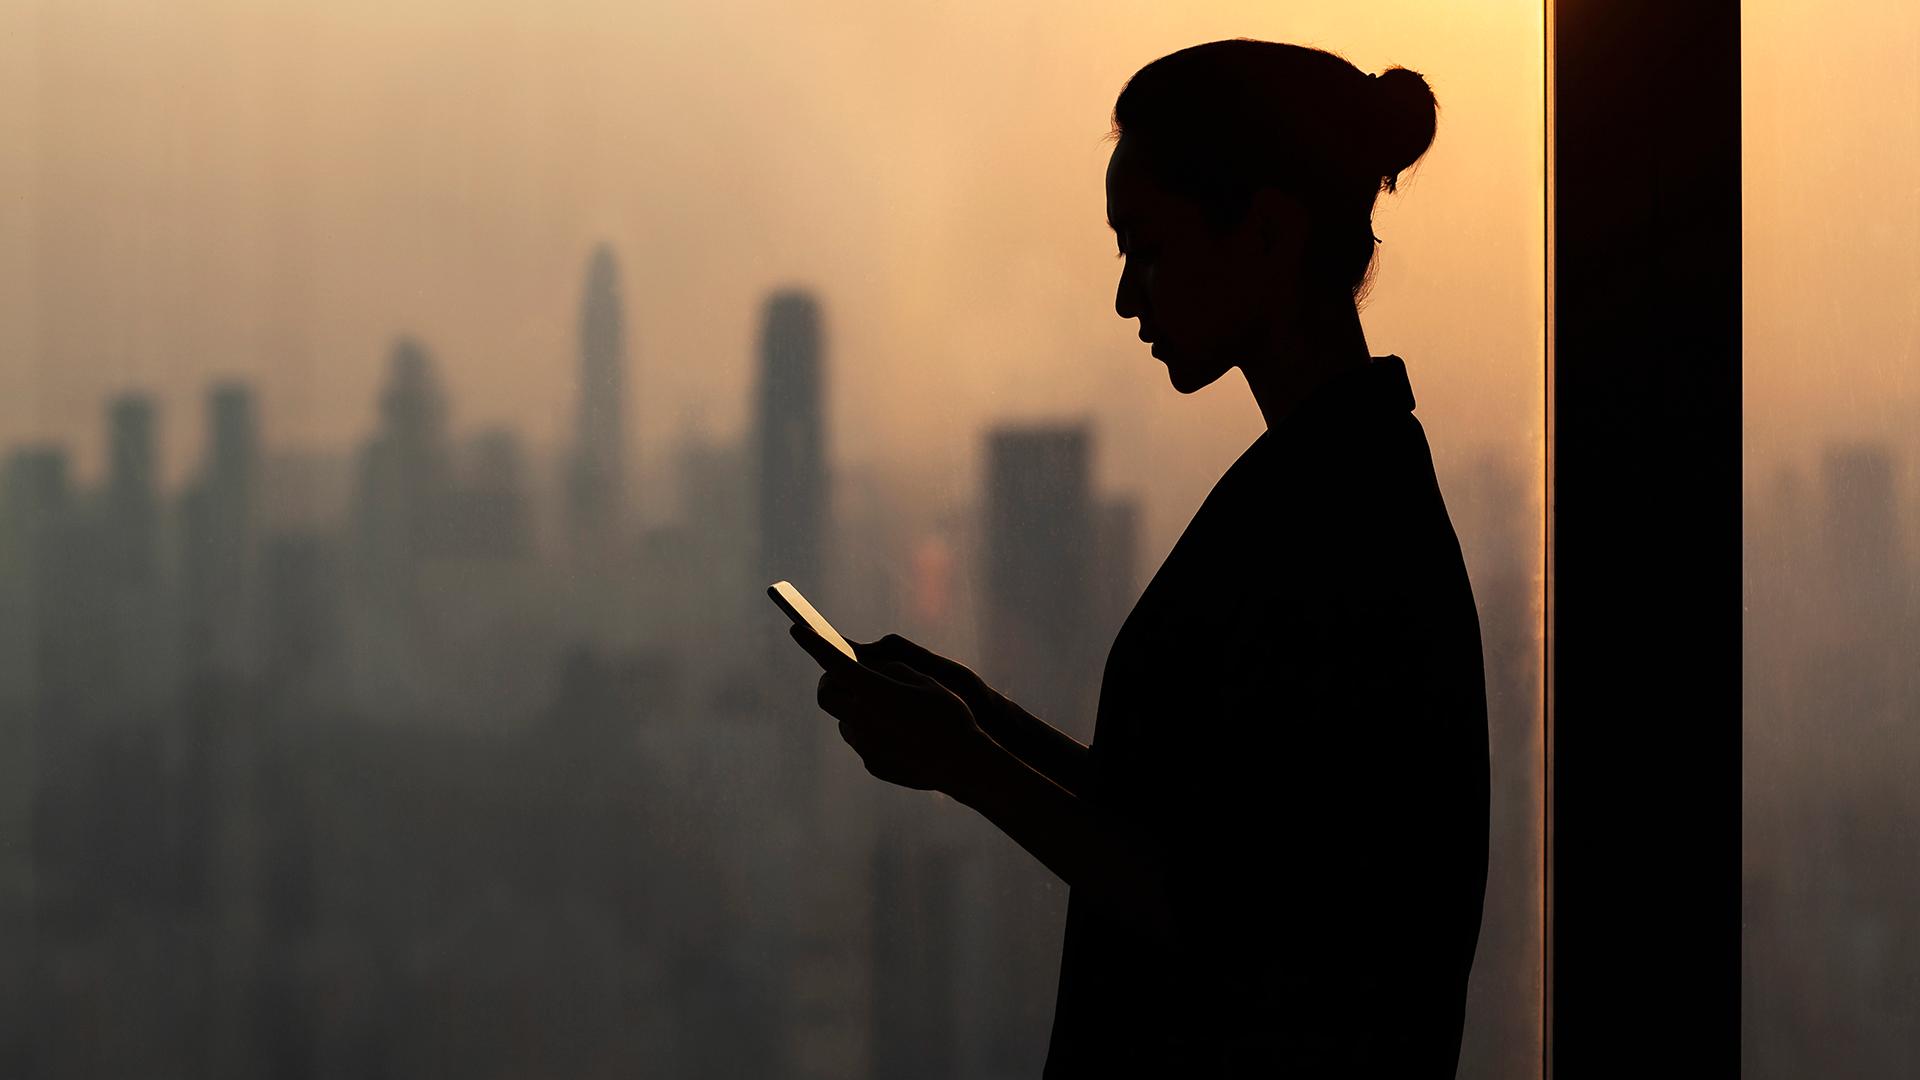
(1642, 842)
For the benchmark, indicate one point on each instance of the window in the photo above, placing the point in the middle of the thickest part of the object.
(405, 406)
(1829, 588)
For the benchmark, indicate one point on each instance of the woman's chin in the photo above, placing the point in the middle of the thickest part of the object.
(1184, 379)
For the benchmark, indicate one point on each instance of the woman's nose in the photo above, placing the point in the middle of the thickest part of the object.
(1126, 300)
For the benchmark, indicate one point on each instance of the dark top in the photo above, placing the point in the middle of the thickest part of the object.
(1293, 724)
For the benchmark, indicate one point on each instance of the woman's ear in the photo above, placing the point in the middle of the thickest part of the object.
(1279, 222)
(1278, 225)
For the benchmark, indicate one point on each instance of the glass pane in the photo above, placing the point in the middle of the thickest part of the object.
(1829, 882)
(407, 404)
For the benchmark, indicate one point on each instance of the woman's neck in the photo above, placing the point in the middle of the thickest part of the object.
(1301, 355)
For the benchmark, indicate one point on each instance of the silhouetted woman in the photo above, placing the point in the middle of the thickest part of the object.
(1277, 841)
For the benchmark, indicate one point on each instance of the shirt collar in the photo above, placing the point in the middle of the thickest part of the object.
(1380, 383)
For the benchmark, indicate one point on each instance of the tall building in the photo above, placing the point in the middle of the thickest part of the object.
(824, 952)
(597, 471)
(791, 445)
(1040, 554)
(234, 431)
(219, 511)
(132, 537)
(135, 629)
(788, 462)
(401, 500)
(35, 506)
(406, 474)
(1037, 626)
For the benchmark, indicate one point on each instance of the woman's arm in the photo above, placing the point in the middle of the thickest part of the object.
(1096, 856)
(935, 725)
(1051, 752)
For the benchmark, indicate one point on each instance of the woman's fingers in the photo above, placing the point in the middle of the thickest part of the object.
(907, 727)
(894, 649)
(855, 732)
(908, 674)
(852, 690)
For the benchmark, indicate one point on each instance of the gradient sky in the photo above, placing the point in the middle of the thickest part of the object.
(1831, 238)
(212, 187)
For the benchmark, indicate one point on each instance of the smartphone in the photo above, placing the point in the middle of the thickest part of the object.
(790, 601)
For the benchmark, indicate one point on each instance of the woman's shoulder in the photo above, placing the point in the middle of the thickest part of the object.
(1360, 472)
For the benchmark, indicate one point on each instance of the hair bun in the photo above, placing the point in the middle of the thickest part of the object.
(1406, 115)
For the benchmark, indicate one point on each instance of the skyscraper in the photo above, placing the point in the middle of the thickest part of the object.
(1039, 537)
(33, 497)
(405, 477)
(219, 511)
(132, 536)
(828, 1019)
(235, 434)
(134, 631)
(401, 498)
(788, 461)
(1041, 559)
(596, 474)
(790, 432)
(36, 503)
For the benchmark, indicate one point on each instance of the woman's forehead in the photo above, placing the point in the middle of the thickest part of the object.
(1130, 192)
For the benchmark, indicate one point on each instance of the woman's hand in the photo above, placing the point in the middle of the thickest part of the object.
(982, 700)
(907, 728)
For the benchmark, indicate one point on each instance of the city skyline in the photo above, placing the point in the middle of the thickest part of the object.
(406, 405)
(449, 182)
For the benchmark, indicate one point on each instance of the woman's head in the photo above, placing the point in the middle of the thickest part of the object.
(1241, 189)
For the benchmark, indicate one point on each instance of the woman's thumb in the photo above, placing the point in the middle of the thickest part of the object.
(907, 673)
(892, 647)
